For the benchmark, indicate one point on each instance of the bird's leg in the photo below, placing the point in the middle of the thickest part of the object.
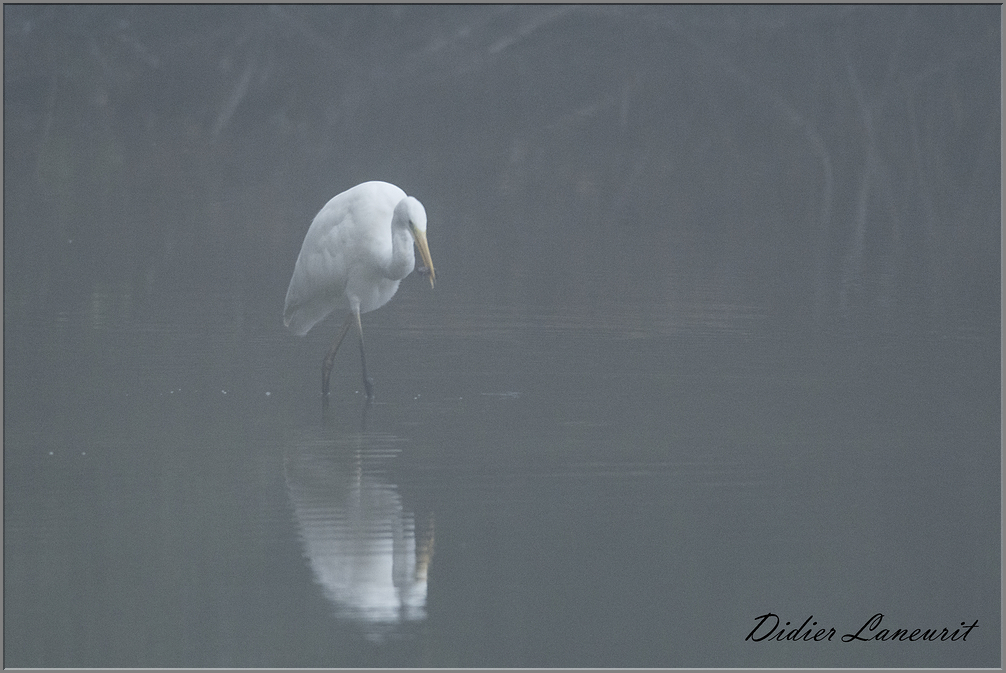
(367, 384)
(326, 364)
(363, 414)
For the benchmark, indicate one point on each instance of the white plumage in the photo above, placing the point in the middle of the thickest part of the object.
(358, 249)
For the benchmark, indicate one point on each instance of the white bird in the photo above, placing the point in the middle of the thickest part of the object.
(357, 250)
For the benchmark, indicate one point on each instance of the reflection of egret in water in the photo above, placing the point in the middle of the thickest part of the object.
(360, 540)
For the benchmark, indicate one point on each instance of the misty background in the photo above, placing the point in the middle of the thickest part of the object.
(635, 195)
(820, 165)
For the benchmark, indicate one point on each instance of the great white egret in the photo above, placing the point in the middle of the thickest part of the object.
(357, 250)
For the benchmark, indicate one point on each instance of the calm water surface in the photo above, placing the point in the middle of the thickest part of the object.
(623, 489)
(715, 334)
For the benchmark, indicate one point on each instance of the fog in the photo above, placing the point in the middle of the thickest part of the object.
(715, 333)
(826, 164)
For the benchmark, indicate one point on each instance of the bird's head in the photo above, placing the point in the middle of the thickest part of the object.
(415, 217)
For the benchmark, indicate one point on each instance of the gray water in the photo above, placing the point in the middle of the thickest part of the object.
(654, 395)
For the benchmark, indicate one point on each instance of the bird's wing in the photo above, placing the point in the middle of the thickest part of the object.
(319, 277)
(342, 240)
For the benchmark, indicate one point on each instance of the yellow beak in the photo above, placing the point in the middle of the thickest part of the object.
(424, 251)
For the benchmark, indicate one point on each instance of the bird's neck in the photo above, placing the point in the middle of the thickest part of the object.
(403, 256)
